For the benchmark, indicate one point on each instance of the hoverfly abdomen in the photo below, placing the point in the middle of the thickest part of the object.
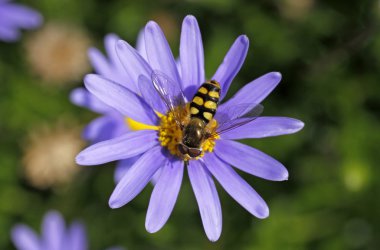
(205, 101)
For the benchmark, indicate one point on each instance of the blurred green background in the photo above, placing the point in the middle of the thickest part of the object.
(329, 55)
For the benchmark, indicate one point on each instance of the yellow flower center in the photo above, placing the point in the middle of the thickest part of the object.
(170, 134)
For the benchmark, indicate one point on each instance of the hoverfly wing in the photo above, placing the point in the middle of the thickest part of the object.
(224, 115)
(150, 95)
(236, 116)
(170, 92)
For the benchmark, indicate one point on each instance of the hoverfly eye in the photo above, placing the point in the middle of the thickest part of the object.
(194, 152)
(182, 149)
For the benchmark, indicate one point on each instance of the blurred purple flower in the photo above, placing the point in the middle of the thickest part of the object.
(55, 235)
(111, 123)
(14, 17)
(153, 156)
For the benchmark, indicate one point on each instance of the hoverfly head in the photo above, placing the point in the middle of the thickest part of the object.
(188, 152)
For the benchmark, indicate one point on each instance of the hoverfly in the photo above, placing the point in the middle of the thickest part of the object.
(194, 118)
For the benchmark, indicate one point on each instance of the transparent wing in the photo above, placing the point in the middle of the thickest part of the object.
(170, 92)
(150, 95)
(224, 115)
(237, 116)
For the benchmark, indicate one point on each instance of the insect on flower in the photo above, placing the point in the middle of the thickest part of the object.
(184, 123)
(195, 121)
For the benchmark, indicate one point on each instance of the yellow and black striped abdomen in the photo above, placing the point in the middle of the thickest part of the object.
(205, 101)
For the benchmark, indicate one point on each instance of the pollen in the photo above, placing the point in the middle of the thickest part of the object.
(170, 132)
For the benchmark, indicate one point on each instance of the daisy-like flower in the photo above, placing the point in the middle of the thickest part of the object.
(55, 235)
(111, 123)
(157, 143)
(14, 17)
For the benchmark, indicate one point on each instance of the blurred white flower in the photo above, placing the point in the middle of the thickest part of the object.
(295, 9)
(49, 156)
(58, 53)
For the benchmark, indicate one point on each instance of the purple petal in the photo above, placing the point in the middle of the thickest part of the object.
(19, 16)
(122, 147)
(164, 195)
(192, 58)
(111, 67)
(100, 129)
(137, 177)
(53, 231)
(110, 42)
(235, 186)
(155, 177)
(178, 64)
(119, 74)
(158, 51)
(255, 91)
(123, 166)
(264, 127)
(120, 98)
(9, 34)
(207, 198)
(254, 161)
(140, 45)
(81, 97)
(24, 238)
(231, 64)
(99, 62)
(134, 64)
(77, 238)
(105, 128)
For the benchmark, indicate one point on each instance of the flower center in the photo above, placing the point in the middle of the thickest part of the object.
(170, 134)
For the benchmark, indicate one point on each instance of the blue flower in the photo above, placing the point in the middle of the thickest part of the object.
(14, 17)
(55, 235)
(155, 145)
